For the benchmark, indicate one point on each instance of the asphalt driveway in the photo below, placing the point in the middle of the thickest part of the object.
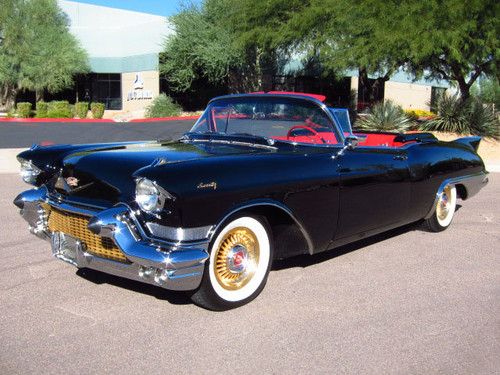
(24, 134)
(408, 302)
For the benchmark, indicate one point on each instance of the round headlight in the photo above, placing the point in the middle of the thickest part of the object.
(147, 196)
(29, 171)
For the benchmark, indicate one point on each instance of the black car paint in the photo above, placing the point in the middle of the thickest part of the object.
(334, 199)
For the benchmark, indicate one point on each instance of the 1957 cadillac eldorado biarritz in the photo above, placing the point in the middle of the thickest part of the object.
(259, 177)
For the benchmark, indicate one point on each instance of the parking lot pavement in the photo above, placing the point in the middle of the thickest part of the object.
(24, 134)
(408, 302)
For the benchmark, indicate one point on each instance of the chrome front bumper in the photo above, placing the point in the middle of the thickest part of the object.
(175, 266)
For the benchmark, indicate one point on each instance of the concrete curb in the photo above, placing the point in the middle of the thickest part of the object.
(9, 163)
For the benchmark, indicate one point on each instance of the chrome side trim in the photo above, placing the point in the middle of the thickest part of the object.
(114, 223)
(472, 183)
(265, 203)
(179, 234)
(164, 242)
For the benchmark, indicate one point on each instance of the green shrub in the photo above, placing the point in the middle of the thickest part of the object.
(24, 109)
(59, 109)
(41, 109)
(416, 114)
(483, 120)
(471, 116)
(385, 116)
(11, 113)
(81, 109)
(163, 106)
(97, 110)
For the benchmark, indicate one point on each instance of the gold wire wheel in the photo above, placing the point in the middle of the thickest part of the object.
(236, 258)
(443, 204)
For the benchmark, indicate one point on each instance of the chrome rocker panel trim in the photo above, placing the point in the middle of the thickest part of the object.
(174, 266)
(472, 184)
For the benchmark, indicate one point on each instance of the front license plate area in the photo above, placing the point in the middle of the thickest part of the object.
(65, 247)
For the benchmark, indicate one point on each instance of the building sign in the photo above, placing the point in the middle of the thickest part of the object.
(138, 92)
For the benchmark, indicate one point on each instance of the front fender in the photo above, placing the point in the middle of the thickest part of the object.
(257, 203)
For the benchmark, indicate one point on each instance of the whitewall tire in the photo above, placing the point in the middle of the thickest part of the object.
(444, 210)
(239, 263)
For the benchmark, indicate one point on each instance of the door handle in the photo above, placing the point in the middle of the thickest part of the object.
(400, 157)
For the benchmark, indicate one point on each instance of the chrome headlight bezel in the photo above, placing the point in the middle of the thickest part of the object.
(149, 196)
(29, 172)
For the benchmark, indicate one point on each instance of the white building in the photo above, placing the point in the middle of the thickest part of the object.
(123, 48)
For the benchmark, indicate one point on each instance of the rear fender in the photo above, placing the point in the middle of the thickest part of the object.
(472, 142)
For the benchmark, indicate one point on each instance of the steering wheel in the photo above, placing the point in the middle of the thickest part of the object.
(308, 128)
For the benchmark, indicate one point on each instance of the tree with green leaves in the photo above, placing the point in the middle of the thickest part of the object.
(488, 90)
(453, 40)
(443, 39)
(200, 46)
(37, 51)
(337, 33)
(207, 44)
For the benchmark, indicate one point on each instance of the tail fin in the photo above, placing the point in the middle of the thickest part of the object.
(472, 142)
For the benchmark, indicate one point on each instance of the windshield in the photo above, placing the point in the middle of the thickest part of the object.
(279, 118)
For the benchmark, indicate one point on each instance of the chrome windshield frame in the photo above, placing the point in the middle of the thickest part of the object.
(333, 124)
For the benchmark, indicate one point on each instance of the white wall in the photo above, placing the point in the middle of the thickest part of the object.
(407, 95)
(110, 32)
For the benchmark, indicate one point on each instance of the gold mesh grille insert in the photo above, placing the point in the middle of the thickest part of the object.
(76, 226)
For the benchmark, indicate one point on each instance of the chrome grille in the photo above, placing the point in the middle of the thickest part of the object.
(76, 226)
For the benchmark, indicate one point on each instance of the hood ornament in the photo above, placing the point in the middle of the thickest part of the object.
(72, 181)
(70, 184)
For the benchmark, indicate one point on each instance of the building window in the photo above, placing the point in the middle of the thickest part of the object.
(107, 89)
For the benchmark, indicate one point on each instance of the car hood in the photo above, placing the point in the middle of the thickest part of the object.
(107, 174)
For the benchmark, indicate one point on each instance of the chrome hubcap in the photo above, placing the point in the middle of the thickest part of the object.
(443, 205)
(236, 258)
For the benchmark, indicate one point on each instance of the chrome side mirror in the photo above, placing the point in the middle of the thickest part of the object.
(351, 142)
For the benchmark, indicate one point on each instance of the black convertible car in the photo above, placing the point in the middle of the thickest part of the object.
(259, 177)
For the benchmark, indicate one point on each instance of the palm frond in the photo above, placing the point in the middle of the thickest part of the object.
(385, 116)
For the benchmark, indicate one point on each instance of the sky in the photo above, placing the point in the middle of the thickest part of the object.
(159, 7)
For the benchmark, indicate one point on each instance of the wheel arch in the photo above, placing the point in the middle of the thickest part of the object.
(466, 186)
(289, 235)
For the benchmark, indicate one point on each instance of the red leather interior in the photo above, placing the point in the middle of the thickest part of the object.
(378, 140)
(320, 138)
(366, 139)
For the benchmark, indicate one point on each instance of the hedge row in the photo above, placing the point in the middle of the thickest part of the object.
(60, 109)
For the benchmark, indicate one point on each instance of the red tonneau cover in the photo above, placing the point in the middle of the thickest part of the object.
(321, 98)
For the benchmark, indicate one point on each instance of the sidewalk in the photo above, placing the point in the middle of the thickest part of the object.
(8, 161)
